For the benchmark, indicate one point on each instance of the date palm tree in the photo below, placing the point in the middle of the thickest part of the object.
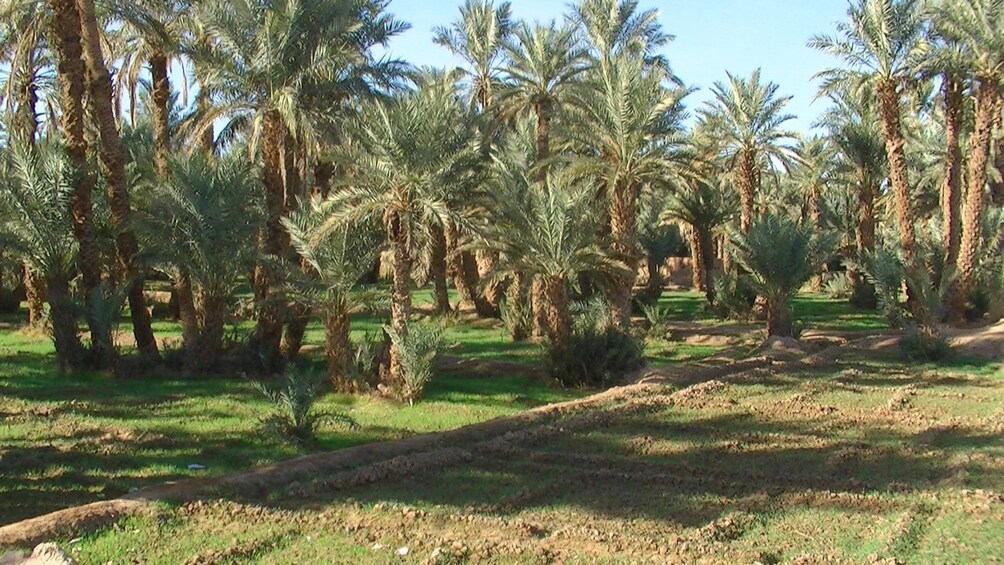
(192, 220)
(631, 126)
(551, 236)
(36, 194)
(339, 258)
(268, 66)
(613, 28)
(405, 153)
(748, 115)
(978, 28)
(877, 43)
(779, 256)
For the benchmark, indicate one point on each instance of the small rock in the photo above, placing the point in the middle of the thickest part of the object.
(402, 551)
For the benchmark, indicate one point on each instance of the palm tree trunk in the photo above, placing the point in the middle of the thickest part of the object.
(65, 31)
(438, 269)
(654, 283)
(779, 318)
(863, 291)
(400, 299)
(951, 188)
(338, 349)
(112, 160)
(64, 331)
(623, 228)
(209, 345)
(816, 217)
(34, 290)
(987, 97)
(267, 335)
(466, 278)
(747, 187)
(516, 301)
(706, 252)
(559, 322)
(898, 170)
(160, 97)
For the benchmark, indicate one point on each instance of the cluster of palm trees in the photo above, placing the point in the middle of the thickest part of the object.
(555, 163)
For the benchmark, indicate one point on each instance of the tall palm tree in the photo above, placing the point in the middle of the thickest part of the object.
(748, 115)
(64, 28)
(613, 28)
(876, 43)
(404, 153)
(632, 126)
(978, 27)
(545, 62)
(861, 163)
(479, 38)
(112, 158)
(35, 196)
(268, 67)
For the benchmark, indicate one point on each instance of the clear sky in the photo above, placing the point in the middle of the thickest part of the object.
(712, 36)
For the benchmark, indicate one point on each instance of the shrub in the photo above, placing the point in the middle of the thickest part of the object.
(734, 297)
(418, 352)
(656, 317)
(597, 354)
(517, 318)
(918, 345)
(294, 418)
(837, 286)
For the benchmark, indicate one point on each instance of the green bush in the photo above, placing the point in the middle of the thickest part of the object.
(294, 418)
(418, 352)
(734, 297)
(598, 354)
(837, 286)
(920, 346)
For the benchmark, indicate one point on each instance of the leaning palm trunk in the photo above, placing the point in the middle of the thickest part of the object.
(623, 228)
(338, 349)
(64, 330)
(987, 98)
(65, 28)
(400, 299)
(112, 160)
(466, 277)
(26, 123)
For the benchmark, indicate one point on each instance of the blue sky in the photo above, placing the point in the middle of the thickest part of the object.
(712, 36)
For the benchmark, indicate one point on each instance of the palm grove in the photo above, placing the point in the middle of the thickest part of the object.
(546, 179)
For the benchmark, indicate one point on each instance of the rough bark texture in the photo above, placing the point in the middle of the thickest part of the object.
(951, 188)
(187, 314)
(466, 277)
(400, 298)
(815, 209)
(538, 309)
(747, 187)
(863, 291)
(209, 345)
(112, 159)
(34, 291)
(267, 336)
(438, 269)
(973, 211)
(338, 350)
(895, 146)
(706, 251)
(69, 352)
(559, 322)
(779, 318)
(292, 340)
(65, 32)
(623, 228)
(160, 96)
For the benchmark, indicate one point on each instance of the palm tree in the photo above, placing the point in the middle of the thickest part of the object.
(545, 62)
(659, 239)
(613, 28)
(339, 258)
(36, 195)
(748, 116)
(192, 220)
(112, 158)
(551, 236)
(978, 28)
(405, 153)
(706, 209)
(269, 66)
(780, 255)
(876, 43)
(631, 127)
(64, 28)
(861, 166)
(479, 38)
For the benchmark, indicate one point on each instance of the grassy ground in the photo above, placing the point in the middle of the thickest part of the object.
(863, 461)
